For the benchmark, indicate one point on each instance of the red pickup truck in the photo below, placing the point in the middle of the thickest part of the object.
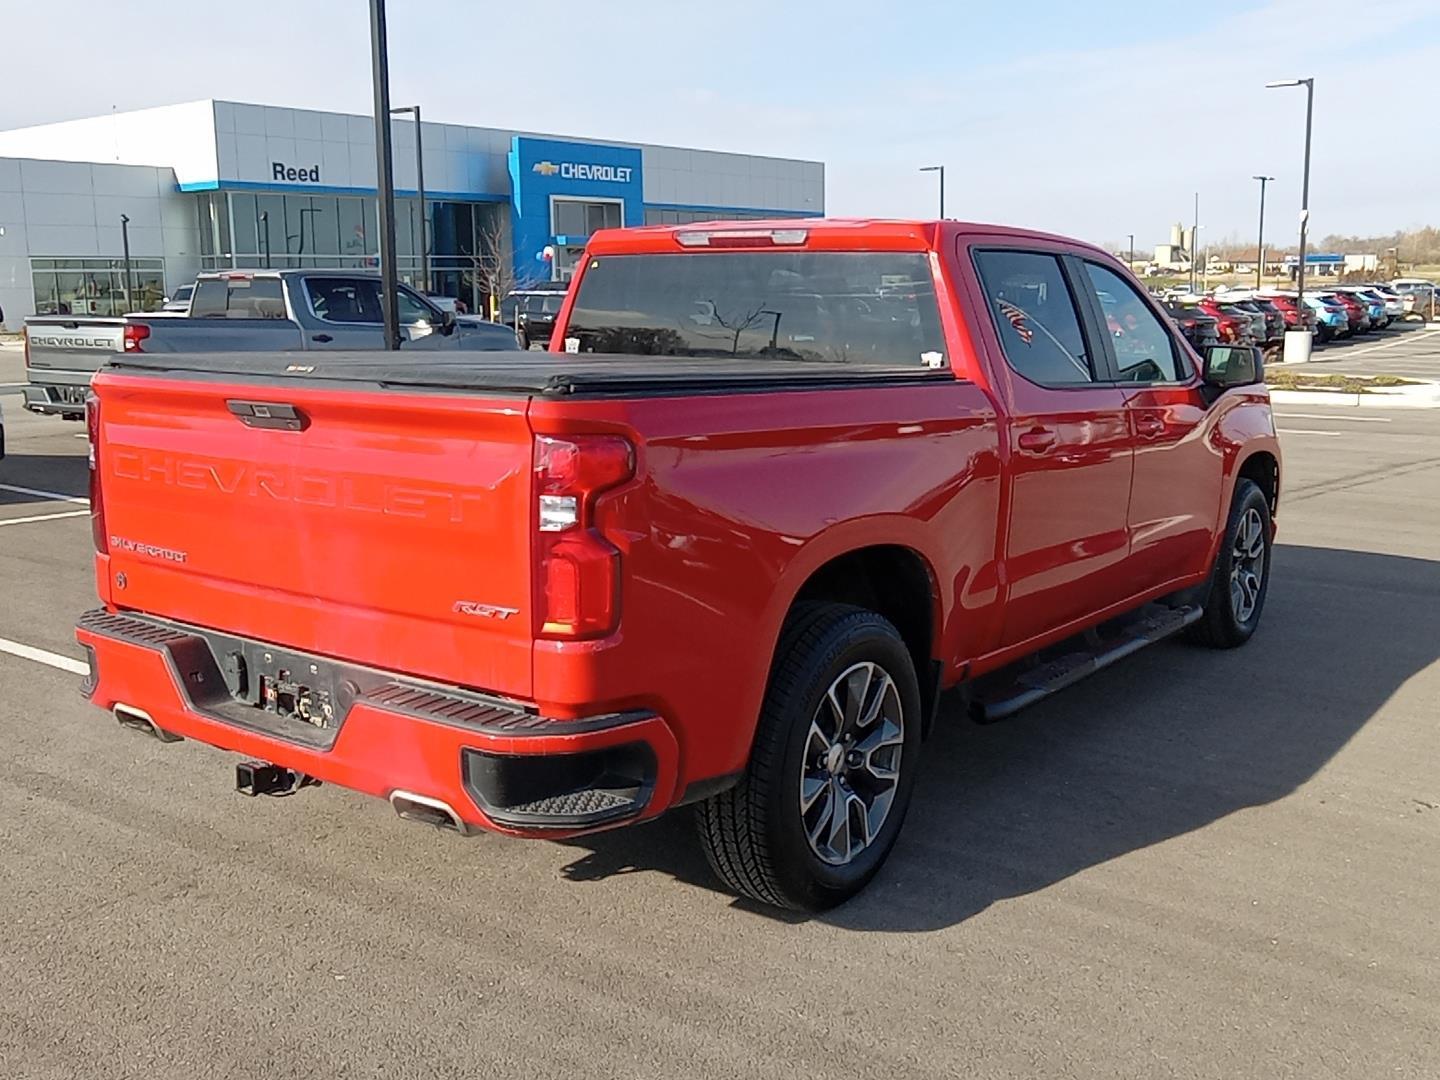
(774, 488)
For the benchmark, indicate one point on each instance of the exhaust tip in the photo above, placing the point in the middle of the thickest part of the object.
(139, 720)
(428, 811)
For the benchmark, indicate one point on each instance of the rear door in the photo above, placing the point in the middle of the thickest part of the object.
(1069, 442)
(1176, 490)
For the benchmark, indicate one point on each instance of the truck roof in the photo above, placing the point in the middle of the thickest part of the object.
(254, 272)
(833, 234)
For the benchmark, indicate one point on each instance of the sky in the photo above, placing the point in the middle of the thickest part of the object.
(1097, 119)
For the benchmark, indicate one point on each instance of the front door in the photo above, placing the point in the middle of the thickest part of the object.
(1069, 441)
(1177, 487)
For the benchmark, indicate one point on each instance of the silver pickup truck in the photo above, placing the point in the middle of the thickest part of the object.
(242, 311)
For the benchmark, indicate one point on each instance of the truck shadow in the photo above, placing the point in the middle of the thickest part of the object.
(1162, 744)
(45, 474)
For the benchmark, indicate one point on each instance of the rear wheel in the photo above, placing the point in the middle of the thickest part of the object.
(832, 768)
(1241, 577)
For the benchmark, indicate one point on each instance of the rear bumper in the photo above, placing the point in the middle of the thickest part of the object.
(47, 401)
(499, 765)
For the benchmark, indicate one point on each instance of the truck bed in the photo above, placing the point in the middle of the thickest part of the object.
(548, 374)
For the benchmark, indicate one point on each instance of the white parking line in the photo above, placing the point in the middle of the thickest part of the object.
(1385, 345)
(55, 496)
(1309, 431)
(1335, 416)
(43, 517)
(44, 656)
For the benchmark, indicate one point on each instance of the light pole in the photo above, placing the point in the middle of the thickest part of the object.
(1260, 235)
(125, 246)
(420, 191)
(384, 174)
(1195, 242)
(1309, 85)
(265, 234)
(1132, 251)
(941, 170)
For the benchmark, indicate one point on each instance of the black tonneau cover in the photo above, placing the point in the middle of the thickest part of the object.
(552, 374)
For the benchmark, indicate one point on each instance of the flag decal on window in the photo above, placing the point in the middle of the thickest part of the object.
(1016, 318)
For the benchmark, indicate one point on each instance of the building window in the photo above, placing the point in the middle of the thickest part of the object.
(96, 286)
(578, 218)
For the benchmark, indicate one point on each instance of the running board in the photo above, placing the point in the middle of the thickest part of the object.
(1003, 694)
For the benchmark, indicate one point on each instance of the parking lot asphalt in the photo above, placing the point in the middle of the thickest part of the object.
(1195, 864)
(1410, 350)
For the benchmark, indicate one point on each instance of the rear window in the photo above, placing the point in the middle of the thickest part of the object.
(544, 304)
(870, 309)
(238, 298)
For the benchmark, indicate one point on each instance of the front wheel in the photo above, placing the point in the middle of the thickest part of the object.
(832, 767)
(1241, 577)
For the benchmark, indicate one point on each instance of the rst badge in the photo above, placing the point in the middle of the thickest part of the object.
(484, 611)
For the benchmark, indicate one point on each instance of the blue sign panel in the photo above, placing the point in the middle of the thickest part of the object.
(544, 169)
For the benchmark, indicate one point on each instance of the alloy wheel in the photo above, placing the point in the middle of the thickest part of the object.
(1247, 565)
(850, 769)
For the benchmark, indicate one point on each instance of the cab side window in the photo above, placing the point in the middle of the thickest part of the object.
(1144, 349)
(1035, 317)
(345, 300)
(413, 309)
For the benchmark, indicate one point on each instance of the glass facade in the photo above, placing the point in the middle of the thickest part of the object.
(96, 286)
(469, 242)
(285, 231)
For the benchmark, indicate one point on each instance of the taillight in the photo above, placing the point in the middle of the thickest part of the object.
(578, 570)
(135, 333)
(97, 504)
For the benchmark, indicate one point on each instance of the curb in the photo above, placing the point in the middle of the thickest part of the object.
(1426, 396)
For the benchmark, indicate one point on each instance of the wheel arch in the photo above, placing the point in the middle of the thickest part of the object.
(894, 579)
(1263, 469)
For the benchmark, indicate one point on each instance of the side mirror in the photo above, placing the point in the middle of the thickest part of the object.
(1233, 365)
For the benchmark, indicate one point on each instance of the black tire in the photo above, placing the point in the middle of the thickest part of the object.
(754, 834)
(1223, 626)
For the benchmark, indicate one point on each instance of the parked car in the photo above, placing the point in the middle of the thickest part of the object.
(1374, 304)
(1356, 310)
(547, 594)
(1235, 327)
(1419, 296)
(243, 311)
(1295, 318)
(1270, 329)
(1200, 329)
(180, 302)
(532, 312)
(1332, 319)
(1394, 302)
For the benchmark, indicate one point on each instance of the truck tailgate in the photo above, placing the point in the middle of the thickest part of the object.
(65, 344)
(393, 530)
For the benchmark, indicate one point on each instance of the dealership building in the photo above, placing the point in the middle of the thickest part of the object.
(217, 184)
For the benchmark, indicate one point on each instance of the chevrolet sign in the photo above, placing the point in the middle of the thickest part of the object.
(574, 170)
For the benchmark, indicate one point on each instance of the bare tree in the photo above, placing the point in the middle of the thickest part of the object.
(738, 323)
(494, 264)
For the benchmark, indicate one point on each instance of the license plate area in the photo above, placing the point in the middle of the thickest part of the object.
(304, 694)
